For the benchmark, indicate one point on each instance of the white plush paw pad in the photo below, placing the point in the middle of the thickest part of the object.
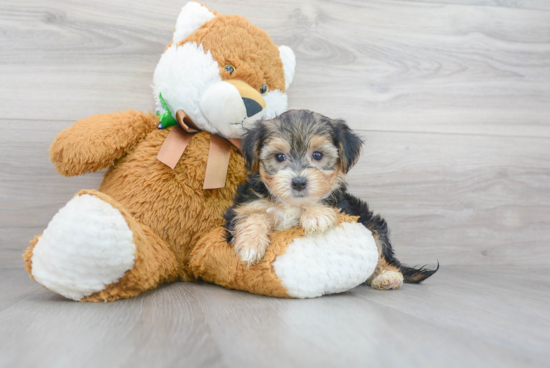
(86, 246)
(388, 280)
(333, 262)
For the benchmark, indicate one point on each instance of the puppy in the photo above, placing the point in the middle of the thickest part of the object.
(297, 164)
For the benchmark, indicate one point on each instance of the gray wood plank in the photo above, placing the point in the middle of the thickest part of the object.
(464, 316)
(516, 4)
(459, 199)
(403, 66)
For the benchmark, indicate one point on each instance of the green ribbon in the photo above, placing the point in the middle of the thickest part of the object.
(166, 118)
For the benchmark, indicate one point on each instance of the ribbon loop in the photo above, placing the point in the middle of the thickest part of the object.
(185, 122)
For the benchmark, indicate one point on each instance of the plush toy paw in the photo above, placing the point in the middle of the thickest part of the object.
(318, 219)
(388, 281)
(86, 246)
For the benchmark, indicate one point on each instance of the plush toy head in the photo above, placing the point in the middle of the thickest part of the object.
(224, 72)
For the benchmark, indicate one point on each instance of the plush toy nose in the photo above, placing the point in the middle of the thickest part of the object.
(253, 100)
(299, 183)
(252, 107)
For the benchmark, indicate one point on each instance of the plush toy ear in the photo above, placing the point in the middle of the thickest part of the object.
(289, 63)
(192, 16)
(251, 144)
(349, 144)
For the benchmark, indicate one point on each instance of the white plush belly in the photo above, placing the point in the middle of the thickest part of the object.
(328, 263)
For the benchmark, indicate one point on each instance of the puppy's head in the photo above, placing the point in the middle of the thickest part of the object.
(301, 156)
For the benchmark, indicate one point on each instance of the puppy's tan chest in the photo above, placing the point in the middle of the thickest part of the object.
(284, 218)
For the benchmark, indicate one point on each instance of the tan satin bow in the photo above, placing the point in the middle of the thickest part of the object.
(218, 155)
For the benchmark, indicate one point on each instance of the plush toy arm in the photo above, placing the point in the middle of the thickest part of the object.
(94, 143)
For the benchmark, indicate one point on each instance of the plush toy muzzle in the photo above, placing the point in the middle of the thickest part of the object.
(231, 106)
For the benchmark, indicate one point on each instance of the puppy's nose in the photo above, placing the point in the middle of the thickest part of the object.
(299, 183)
(252, 107)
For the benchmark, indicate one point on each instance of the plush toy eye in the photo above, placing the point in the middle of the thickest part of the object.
(317, 156)
(280, 157)
(229, 68)
(263, 90)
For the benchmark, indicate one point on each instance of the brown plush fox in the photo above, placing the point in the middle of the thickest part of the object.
(150, 223)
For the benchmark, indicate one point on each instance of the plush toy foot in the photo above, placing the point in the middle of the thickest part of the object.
(388, 281)
(94, 250)
(295, 265)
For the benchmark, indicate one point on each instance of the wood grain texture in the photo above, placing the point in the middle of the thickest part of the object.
(467, 316)
(402, 65)
(453, 99)
(484, 201)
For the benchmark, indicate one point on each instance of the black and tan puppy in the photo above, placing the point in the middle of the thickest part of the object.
(297, 164)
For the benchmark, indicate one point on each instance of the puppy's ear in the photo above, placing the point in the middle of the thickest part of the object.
(251, 143)
(349, 144)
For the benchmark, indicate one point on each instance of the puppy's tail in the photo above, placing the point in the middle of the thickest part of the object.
(414, 275)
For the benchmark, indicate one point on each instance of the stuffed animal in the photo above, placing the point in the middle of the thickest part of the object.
(171, 176)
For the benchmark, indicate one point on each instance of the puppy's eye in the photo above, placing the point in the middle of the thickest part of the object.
(263, 90)
(317, 156)
(280, 157)
(229, 68)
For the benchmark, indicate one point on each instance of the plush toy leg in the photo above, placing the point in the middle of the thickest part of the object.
(94, 250)
(295, 265)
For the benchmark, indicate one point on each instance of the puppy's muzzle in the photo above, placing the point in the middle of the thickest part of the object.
(299, 183)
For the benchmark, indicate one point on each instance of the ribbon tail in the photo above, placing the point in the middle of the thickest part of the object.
(173, 147)
(218, 163)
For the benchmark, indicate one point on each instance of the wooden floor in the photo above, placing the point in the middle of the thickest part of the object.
(453, 98)
(466, 317)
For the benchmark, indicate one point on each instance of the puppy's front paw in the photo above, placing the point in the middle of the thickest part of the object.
(388, 280)
(250, 252)
(318, 220)
(251, 239)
